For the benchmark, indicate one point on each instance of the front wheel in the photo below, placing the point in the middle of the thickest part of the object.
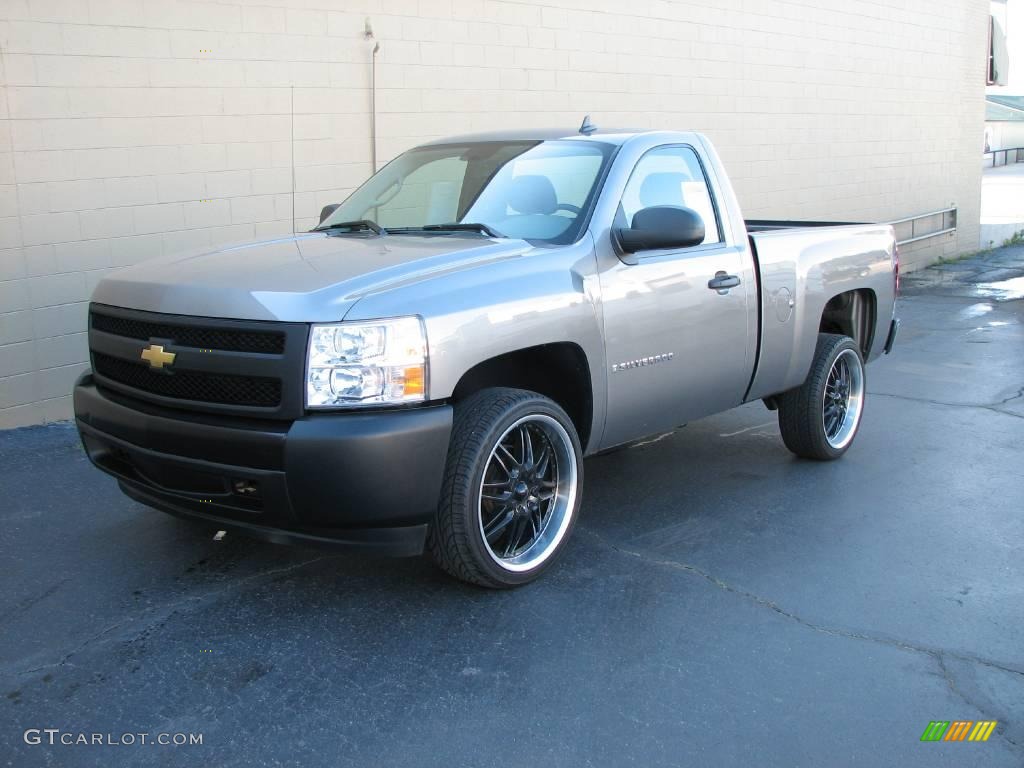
(820, 418)
(511, 490)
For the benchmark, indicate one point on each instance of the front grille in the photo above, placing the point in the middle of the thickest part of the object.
(229, 340)
(191, 385)
(223, 366)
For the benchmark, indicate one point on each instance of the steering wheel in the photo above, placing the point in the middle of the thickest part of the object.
(569, 207)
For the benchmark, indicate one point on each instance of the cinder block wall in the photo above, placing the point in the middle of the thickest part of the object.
(130, 128)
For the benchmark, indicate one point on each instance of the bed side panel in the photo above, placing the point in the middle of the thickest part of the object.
(801, 270)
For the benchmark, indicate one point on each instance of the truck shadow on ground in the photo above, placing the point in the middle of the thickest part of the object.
(684, 487)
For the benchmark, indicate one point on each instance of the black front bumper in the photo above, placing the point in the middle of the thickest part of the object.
(368, 481)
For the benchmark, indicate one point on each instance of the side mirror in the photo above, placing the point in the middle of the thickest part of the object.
(661, 226)
(327, 210)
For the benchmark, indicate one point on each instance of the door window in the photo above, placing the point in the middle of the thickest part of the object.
(671, 176)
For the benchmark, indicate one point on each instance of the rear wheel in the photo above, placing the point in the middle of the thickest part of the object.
(820, 419)
(511, 490)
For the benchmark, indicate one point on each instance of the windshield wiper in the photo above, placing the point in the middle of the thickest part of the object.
(463, 227)
(373, 226)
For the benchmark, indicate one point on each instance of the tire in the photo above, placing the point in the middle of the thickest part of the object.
(474, 534)
(820, 418)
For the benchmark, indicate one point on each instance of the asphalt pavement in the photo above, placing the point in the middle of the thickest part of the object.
(721, 603)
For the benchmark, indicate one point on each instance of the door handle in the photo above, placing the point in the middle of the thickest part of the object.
(722, 282)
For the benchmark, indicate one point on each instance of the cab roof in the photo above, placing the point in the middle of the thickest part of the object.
(609, 136)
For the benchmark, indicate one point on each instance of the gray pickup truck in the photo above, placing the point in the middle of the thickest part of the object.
(427, 368)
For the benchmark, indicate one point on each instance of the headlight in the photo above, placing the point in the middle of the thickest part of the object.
(367, 363)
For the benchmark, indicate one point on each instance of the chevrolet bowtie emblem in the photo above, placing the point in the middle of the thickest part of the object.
(156, 357)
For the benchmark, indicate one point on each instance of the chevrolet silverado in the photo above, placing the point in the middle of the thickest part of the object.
(427, 368)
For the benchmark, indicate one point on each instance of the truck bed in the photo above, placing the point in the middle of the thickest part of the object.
(800, 266)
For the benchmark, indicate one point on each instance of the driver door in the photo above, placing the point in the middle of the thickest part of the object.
(677, 349)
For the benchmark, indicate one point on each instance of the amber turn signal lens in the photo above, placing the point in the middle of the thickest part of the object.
(415, 383)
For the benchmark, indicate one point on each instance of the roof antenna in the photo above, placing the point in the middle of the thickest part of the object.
(587, 127)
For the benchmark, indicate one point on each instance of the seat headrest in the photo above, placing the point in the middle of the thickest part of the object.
(532, 194)
(663, 189)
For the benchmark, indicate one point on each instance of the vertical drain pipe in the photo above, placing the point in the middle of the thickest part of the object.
(373, 107)
(368, 35)
(292, 139)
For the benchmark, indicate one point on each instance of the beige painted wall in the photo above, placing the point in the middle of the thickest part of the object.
(130, 128)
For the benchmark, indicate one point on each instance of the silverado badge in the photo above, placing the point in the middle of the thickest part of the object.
(156, 357)
(643, 362)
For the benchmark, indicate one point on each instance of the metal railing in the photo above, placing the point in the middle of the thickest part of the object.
(1018, 156)
(908, 230)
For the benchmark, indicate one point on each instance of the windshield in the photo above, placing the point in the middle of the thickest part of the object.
(537, 191)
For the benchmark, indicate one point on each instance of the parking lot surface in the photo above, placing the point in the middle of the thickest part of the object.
(721, 602)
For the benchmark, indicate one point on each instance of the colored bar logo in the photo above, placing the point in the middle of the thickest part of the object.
(959, 730)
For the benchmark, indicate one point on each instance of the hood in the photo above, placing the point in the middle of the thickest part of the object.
(312, 277)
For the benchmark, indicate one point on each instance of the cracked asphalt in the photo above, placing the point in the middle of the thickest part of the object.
(722, 603)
